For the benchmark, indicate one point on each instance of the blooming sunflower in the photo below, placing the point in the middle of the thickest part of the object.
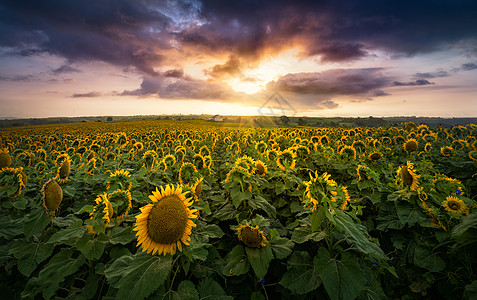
(245, 162)
(375, 156)
(410, 145)
(102, 213)
(187, 173)
(52, 195)
(473, 155)
(349, 151)
(286, 159)
(455, 205)
(447, 151)
(260, 168)
(251, 236)
(5, 159)
(163, 226)
(408, 176)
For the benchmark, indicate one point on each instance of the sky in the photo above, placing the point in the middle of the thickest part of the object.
(249, 57)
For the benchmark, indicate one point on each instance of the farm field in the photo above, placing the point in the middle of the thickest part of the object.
(164, 209)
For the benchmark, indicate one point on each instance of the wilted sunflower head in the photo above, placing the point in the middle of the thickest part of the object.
(5, 159)
(455, 205)
(253, 237)
(52, 195)
(163, 226)
(410, 145)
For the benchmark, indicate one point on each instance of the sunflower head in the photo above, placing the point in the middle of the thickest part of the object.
(253, 237)
(180, 153)
(119, 180)
(170, 160)
(5, 159)
(198, 161)
(208, 161)
(64, 170)
(473, 155)
(197, 188)
(408, 176)
(110, 156)
(261, 147)
(260, 168)
(13, 181)
(163, 226)
(375, 156)
(204, 150)
(102, 213)
(447, 151)
(410, 145)
(348, 152)
(120, 201)
(237, 174)
(286, 159)
(52, 195)
(245, 162)
(455, 205)
(188, 173)
(149, 159)
(90, 155)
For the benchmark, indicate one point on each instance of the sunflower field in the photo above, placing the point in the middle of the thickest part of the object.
(200, 210)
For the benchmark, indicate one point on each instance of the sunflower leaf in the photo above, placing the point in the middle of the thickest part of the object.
(36, 222)
(343, 279)
(186, 291)
(301, 276)
(236, 262)
(72, 232)
(282, 247)
(304, 234)
(121, 235)
(260, 259)
(92, 246)
(29, 255)
(209, 289)
(137, 276)
(258, 202)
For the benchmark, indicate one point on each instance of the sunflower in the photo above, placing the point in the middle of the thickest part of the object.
(110, 156)
(286, 159)
(408, 176)
(455, 205)
(260, 168)
(375, 156)
(261, 147)
(237, 174)
(197, 188)
(122, 202)
(138, 146)
(170, 160)
(447, 151)
(349, 151)
(180, 153)
(473, 155)
(198, 161)
(52, 195)
(64, 168)
(363, 173)
(204, 150)
(11, 178)
(149, 160)
(245, 162)
(410, 145)
(102, 213)
(166, 224)
(188, 173)
(208, 162)
(119, 180)
(5, 159)
(251, 236)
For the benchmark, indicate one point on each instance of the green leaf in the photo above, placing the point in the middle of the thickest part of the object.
(301, 276)
(29, 254)
(90, 288)
(260, 259)
(281, 247)
(471, 290)
(138, 276)
(72, 232)
(213, 231)
(466, 230)
(357, 235)
(236, 262)
(92, 246)
(406, 213)
(11, 228)
(186, 291)
(343, 279)
(54, 273)
(36, 222)
(227, 212)
(209, 289)
(258, 202)
(121, 235)
(424, 258)
(304, 234)
(85, 209)
(316, 218)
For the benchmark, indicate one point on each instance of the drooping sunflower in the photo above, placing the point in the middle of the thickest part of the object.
(64, 168)
(455, 205)
(286, 159)
(410, 145)
(237, 174)
(245, 162)
(163, 226)
(408, 176)
(102, 213)
(375, 156)
(5, 159)
(260, 168)
(473, 155)
(121, 202)
(261, 147)
(198, 161)
(14, 180)
(52, 195)
(188, 173)
(197, 188)
(251, 236)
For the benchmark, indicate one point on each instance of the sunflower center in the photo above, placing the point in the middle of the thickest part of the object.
(167, 220)
(251, 237)
(453, 205)
(406, 176)
(260, 169)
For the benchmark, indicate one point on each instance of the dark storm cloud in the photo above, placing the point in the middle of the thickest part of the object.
(232, 67)
(87, 95)
(336, 82)
(413, 83)
(469, 66)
